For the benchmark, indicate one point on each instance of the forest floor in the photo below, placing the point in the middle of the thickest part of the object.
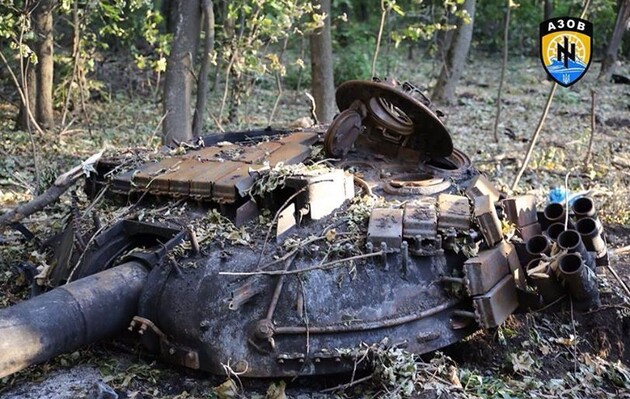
(566, 354)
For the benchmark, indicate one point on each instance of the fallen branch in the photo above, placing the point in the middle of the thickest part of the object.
(60, 186)
(619, 280)
(506, 31)
(621, 250)
(532, 143)
(343, 387)
(590, 141)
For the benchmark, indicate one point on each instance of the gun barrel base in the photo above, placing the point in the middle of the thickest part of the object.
(69, 317)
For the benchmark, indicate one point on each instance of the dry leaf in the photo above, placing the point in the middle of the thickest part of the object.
(522, 362)
(227, 390)
(276, 390)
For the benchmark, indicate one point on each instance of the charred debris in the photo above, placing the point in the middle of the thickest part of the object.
(277, 253)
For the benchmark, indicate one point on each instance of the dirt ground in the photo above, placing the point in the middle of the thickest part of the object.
(544, 354)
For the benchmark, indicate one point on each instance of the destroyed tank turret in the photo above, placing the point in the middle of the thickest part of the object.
(272, 259)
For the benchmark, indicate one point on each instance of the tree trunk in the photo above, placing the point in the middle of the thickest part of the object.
(323, 85)
(444, 38)
(43, 28)
(548, 9)
(29, 86)
(179, 77)
(204, 70)
(623, 18)
(444, 91)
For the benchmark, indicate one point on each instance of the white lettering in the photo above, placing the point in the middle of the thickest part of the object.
(561, 23)
(580, 26)
(570, 24)
(551, 27)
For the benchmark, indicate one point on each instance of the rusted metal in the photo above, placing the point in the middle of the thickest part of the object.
(554, 231)
(487, 219)
(286, 220)
(245, 213)
(494, 307)
(593, 240)
(343, 132)
(580, 279)
(521, 210)
(555, 212)
(453, 212)
(300, 138)
(429, 134)
(529, 231)
(145, 178)
(570, 241)
(485, 270)
(583, 207)
(219, 173)
(386, 225)
(420, 218)
(480, 186)
(545, 281)
(514, 263)
(324, 192)
(289, 154)
(537, 245)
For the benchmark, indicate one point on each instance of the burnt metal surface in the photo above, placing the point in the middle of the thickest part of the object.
(218, 174)
(398, 239)
(69, 317)
(406, 118)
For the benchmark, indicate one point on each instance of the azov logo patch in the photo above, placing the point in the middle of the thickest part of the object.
(565, 48)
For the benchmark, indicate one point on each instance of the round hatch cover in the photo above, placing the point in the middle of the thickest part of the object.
(430, 136)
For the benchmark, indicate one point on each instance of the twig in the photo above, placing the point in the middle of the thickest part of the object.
(228, 69)
(590, 141)
(313, 106)
(364, 185)
(218, 122)
(562, 298)
(156, 129)
(621, 282)
(621, 250)
(326, 266)
(204, 69)
(532, 142)
(307, 350)
(575, 359)
(348, 385)
(278, 82)
(604, 307)
(291, 253)
(22, 94)
(193, 239)
(566, 200)
(76, 55)
(278, 290)
(384, 10)
(96, 200)
(506, 31)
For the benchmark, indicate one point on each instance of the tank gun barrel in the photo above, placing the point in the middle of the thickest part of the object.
(69, 317)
